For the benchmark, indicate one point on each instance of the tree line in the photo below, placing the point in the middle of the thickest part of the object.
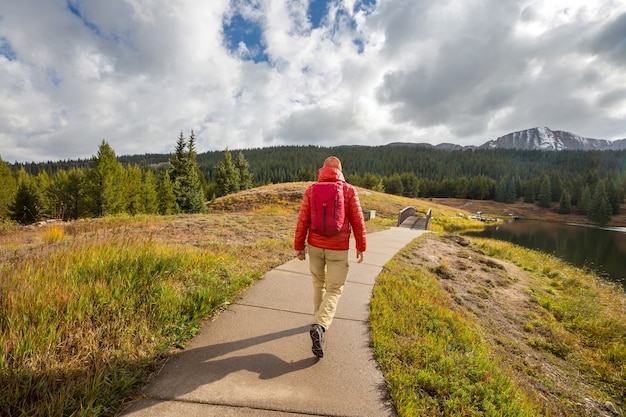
(589, 182)
(107, 186)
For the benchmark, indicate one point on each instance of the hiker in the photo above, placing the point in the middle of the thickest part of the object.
(328, 242)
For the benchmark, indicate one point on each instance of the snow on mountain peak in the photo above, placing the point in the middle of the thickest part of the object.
(542, 138)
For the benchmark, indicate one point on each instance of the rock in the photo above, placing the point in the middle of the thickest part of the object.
(457, 239)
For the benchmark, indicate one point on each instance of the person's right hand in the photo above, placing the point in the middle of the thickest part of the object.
(301, 255)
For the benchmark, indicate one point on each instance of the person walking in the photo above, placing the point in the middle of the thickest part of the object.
(328, 249)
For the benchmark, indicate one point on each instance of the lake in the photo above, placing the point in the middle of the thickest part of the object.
(600, 249)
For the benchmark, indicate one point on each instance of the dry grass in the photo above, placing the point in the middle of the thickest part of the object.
(89, 309)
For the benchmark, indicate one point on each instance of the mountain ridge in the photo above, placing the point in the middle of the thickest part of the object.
(543, 138)
(537, 138)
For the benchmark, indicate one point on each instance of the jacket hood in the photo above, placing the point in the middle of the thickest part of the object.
(325, 174)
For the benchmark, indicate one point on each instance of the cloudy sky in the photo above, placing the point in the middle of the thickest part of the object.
(257, 73)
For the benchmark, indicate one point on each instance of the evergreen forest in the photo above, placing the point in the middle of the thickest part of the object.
(588, 182)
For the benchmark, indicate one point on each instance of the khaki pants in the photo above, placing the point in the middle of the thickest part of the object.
(329, 270)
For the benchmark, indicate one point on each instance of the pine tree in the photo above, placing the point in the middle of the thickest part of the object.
(585, 199)
(245, 176)
(556, 186)
(516, 187)
(462, 185)
(166, 195)
(105, 182)
(616, 198)
(565, 203)
(8, 188)
(501, 190)
(576, 189)
(528, 192)
(446, 188)
(185, 175)
(506, 190)
(393, 184)
(178, 160)
(410, 183)
(149, 198)
(479, 187)
(73, 194)
(372, 182)
(26, 206)
(193, 156)
(227, 176)
(191, 198)
(67, 192)
(545, 193)
(133, 190)
(304, 175)
(58, 207)
(599, 206)
(42, 183)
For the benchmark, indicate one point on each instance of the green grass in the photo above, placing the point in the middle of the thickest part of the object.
(438, 360)
(435, 360)
(83, 325)
(579, 318)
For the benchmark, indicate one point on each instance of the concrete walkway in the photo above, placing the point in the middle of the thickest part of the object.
(255, 358)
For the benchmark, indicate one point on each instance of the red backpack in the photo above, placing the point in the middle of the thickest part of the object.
(328, 212)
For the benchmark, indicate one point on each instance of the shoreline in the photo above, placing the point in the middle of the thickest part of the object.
(527, 211)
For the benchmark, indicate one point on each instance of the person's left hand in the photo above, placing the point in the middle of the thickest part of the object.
(301, 255)
(359, 256)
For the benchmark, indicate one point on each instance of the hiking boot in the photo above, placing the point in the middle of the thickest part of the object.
(317, 332)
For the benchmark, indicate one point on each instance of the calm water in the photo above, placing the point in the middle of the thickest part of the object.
(600, 249)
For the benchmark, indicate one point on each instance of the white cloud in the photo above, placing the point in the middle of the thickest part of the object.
(137, 72)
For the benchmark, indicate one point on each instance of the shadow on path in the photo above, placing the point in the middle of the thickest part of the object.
(199, 366)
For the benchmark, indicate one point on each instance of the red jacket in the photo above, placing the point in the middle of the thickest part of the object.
(354, 214)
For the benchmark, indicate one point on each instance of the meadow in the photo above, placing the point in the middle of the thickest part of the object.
(89, 310)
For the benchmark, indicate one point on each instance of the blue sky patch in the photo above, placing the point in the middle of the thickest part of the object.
(317, 11)
(74, 8)
(53, 76)
(365, 5)
(360, 45)
(6, 50)
(241, 30)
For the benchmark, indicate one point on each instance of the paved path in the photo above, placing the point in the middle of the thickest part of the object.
(255, 358)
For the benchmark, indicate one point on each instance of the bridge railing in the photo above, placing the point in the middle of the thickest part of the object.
(405, 213)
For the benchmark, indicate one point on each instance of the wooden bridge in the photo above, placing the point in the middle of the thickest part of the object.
(409, 219)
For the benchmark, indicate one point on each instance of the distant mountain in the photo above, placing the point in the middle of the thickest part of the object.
(441, 146)
(542, 138)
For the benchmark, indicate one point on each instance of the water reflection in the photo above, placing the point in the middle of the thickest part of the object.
(600, 249)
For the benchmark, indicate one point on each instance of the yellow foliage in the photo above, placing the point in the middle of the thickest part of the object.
(52, 234)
